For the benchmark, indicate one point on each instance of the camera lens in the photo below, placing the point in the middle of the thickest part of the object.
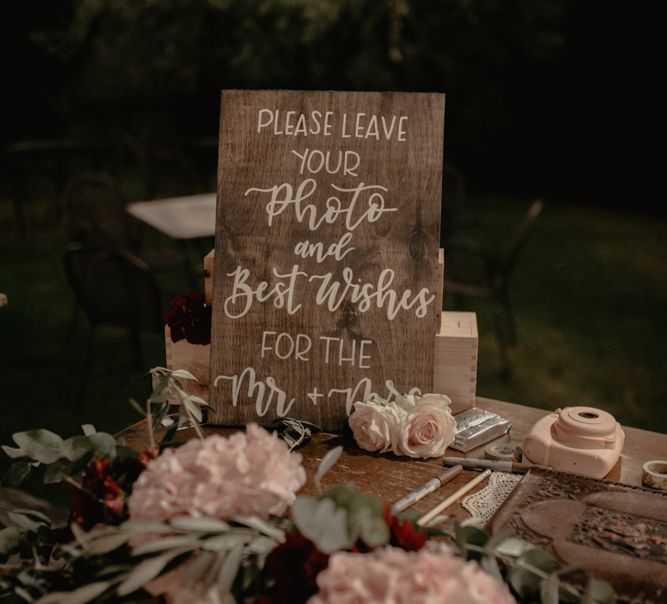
(588, 415)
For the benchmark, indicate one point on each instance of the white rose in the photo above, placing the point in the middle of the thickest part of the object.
(428, 429)
(375, 427)
(406, 402)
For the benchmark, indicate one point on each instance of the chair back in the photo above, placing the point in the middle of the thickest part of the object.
(114, 287)
(522, 236)
(94, 212)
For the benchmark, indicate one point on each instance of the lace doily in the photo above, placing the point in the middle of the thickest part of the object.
(484, 503)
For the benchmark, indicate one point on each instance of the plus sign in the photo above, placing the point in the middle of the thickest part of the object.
(314, 395)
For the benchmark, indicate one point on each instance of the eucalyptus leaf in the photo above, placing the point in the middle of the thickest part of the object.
(203, 525)
(229, 541)
(13, 452)
(145, 526)
(549, 589)
(599, 592)
(323, 523)
(164, 543)
(465, 535)
(103, 443)
(261, 545)
(513, 547)
(490, 564)
(262, 526)
(76, 447)
(524, 582)
(17, 473)
(196, 572)
(41, 445)
(193, 409)
(146, 571)
(498, 538)
(326, 464)
(160, 414)
(80, 536)
(370, 527)
(29, 519)
(107, 543)
(55, 472)
(197, 400)
(138, 408)
(539, 559)
(169, 435)
(183, 374)
(9, 539)
(23, 593)
(84, 594)
(229, 570)
(88, 429)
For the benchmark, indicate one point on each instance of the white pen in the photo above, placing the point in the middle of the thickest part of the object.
(426, 489)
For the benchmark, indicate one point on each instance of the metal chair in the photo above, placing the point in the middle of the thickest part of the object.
(94, 213)
(492, 282)
(114, 288)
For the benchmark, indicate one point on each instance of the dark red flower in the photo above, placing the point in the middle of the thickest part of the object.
(148, 455)
(100, 498)
(189, 318)
(402, 533)
(292, 570)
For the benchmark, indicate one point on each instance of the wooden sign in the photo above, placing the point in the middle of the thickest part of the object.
(328, 221)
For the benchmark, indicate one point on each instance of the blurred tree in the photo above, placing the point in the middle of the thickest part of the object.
(533, 85)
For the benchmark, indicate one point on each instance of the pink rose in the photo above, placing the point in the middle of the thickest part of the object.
(251, 473)
(394, 575)
(375, 426)
(428, 429)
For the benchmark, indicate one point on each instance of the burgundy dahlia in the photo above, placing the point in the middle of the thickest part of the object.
(402, 533)
(292, 570)
(189, 318)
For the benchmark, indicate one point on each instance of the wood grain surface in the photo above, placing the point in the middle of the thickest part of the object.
(390, 478)
(393, 146)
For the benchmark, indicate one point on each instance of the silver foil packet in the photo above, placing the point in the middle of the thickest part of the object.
(476, 427)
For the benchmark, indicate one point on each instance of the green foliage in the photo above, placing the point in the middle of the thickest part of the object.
(534, 575)
(58, 457)
(342, 518)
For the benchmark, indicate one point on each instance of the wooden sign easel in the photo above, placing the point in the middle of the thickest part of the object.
(326, 280)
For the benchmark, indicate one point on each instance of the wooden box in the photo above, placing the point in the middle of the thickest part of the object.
(455, 371)
(193, 357)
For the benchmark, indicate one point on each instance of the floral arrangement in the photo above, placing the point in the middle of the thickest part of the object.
(412, 425)
(205, 523)
(189, 318)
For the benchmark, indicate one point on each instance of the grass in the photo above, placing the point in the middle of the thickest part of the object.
(589, 296)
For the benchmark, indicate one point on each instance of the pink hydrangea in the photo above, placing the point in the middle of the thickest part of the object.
(394, 575)
(251, 473)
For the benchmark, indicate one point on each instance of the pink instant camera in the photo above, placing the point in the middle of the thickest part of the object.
(579, 440)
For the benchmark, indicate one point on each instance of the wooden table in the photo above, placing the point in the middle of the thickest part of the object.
(181, 218)
(390, 478)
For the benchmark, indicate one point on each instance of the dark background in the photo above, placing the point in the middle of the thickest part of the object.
(559, 98)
